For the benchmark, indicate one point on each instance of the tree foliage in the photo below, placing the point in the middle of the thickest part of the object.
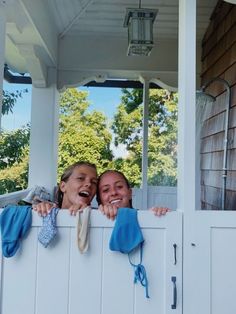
(162, 133)
(84, 134)
(15, 177)
(13, 146)
(14, 150)
(10, 99)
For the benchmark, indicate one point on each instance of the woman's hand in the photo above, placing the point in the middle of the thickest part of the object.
(73, 209)
(109, 210)
(43, 208)
(159, 211)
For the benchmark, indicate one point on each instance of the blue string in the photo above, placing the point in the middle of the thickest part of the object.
(140, 272)
(141, 276)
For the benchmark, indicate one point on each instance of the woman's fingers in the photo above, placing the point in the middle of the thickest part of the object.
(160, 211)
(108, 210)
(43, 208)
(74, 209)
(77, 207)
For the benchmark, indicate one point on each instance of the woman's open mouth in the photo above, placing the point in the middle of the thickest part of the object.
(84, 194)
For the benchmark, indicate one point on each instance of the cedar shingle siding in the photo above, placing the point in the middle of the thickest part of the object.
(219, 60)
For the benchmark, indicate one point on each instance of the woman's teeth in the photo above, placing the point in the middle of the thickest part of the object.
(84, 194)
(115, 201)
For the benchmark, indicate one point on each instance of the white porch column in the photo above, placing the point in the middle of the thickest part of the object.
(186, 141)
(2, 55)
(145, 143)
(186, 123)
(44, 135)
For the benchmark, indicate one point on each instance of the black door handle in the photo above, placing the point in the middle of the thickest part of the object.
(173, 306)
(175, 259)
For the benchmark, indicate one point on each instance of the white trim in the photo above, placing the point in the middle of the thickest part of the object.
(186, 113)
(145, 143)
(2, 57)
(12, 198)
(44, 135)
(186, 142)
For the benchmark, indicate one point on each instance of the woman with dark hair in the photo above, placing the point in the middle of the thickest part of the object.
(76, 189)
(114, 191)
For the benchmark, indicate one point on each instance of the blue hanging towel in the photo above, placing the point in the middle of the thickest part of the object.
(15, 222)
(49, 229)
(126, 237)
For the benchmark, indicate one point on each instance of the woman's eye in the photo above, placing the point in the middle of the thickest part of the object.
(80, 178)
(94, 182)
(105, 190)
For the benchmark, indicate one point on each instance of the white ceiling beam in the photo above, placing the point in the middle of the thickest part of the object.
(37, 14)
(37, 69)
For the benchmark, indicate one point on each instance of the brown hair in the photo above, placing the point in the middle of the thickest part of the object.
(114, 171)
(66, 175)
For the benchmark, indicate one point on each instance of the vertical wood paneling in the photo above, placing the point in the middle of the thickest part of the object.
(59, 279)
(19, 278)
(117, 281)
(85, 274)
(223, 278)
(210, 246)
(52, 275)
(154, 260)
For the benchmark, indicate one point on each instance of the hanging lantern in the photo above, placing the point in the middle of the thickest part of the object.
(140, 31)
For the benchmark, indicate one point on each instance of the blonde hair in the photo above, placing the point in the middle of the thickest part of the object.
(65, 177)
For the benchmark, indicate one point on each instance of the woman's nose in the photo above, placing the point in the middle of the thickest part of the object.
(113, 191)
(87, 183)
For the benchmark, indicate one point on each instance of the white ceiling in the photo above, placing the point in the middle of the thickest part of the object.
(83, 39)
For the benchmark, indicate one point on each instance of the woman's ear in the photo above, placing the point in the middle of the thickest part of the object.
(62, 186)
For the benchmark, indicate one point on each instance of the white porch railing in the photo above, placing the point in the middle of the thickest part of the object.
(164, 196)
(12, 198)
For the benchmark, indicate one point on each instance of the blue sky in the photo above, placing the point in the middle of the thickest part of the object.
(22, 109)
(102, 99)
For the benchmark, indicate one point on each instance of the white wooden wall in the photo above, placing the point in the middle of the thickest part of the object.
(210, 251)
(59, 280)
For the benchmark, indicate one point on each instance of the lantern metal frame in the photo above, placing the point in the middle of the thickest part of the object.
(139, 22)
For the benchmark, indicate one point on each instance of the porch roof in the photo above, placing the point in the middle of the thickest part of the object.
(85, 40)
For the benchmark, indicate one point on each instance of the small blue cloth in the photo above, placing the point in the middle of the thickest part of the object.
(49, 228)
(126, 237)
(15, 222)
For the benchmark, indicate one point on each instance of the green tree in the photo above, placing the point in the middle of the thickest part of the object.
(15, 177)
(162, 134)
(83, 134)
(14, 150)
(13, 145)
(10, 99)
(130, 168)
